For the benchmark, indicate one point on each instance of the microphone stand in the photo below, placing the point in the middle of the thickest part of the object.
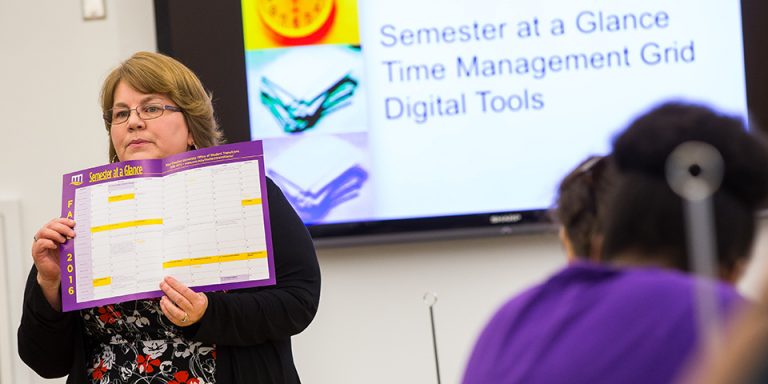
(430, 299)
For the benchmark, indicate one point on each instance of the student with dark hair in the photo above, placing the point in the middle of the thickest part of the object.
(632, 318)
(646, 221)
(581, 198)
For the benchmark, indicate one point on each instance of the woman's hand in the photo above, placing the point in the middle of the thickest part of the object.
(181, 305)
(45, 254)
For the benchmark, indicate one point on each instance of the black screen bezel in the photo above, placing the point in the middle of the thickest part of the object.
(208, 37)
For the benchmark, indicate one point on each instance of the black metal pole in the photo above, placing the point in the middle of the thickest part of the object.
(434, 342)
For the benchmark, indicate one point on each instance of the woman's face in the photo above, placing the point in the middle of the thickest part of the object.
(137, 138)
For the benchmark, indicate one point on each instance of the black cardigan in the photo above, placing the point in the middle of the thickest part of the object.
(251, 328)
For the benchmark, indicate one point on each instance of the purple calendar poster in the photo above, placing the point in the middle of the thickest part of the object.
(200, 216)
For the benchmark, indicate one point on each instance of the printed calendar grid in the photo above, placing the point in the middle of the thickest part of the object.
(201, 216)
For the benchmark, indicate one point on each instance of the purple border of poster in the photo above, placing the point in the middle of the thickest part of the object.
(157, 167)
(68, 248)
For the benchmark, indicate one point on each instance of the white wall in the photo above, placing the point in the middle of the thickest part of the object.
(372, 326)
(51, 67)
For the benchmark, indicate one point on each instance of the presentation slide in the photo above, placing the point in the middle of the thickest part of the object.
(399, 109)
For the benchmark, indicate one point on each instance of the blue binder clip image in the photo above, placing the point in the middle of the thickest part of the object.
(313, 187)
(295, 115)
(314, 206)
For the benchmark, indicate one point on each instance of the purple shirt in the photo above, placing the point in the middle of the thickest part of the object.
(594, 324)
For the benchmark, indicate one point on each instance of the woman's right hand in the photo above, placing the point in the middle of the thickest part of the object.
(45, 252)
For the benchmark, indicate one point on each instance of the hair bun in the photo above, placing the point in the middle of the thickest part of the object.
(645, 145)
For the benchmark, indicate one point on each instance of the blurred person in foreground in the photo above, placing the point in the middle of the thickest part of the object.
(631, 318)
(741, 357)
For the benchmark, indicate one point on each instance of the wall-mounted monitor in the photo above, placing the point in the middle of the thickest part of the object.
(418, 118)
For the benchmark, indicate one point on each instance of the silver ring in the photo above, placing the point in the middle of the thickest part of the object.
(186, 317)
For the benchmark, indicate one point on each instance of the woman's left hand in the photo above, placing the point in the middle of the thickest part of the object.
(181, 305)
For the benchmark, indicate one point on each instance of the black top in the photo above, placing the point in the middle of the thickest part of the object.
(250, 327)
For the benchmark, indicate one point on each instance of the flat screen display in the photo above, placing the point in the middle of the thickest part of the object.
(407, 116)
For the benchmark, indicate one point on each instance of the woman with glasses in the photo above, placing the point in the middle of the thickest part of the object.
(156, 107)
(632, 317)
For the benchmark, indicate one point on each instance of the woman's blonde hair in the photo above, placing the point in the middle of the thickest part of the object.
(149, 72)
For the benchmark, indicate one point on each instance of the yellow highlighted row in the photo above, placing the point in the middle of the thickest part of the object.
(255, 201)
(215, 259)
(127, 196)
(102, 281)
(126, 224)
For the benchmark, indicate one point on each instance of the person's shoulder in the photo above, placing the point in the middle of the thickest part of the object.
(668, 278)
(533, 293)
(665, 284)
(568, 276)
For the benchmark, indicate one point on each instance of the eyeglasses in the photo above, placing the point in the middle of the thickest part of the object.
(116, 116)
